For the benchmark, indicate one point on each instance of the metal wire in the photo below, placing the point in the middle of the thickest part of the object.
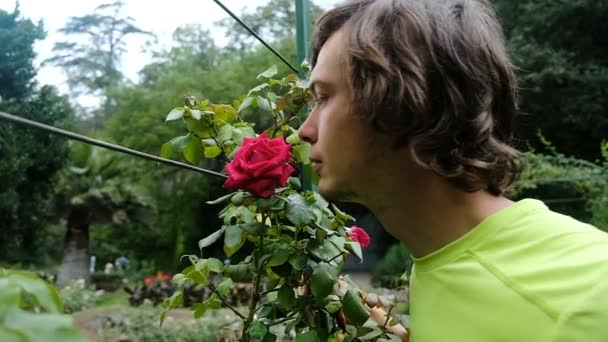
(253, 33)
(114, 147)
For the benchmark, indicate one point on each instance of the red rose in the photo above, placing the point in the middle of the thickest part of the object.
(360, 235)
(260, 165)
(149, 280)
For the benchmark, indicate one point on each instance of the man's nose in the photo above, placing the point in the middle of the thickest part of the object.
(308, 131)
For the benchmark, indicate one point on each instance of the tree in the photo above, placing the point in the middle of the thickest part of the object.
(16, 54)
(273, 21)
(93, 68)
(562, 55)
(97, 188)
(30, 158)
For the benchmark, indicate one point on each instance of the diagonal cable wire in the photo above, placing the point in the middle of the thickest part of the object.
(253, 33)
(100, 143)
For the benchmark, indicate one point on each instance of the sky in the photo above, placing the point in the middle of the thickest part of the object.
(158, 17)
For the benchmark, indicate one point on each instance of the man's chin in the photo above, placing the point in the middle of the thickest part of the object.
(333, 193)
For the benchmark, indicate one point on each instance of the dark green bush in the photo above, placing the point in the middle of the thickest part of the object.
(390, 270)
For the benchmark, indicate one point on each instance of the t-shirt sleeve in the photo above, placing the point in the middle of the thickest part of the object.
(587, 321)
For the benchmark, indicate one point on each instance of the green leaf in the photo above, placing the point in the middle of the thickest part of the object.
(212, 151)
(309, 336)
(322, 280)
(238, 272)
(264, 104)
(238, 134)
(355, 249)
(333, 306)
(209, 240)
(45, 294)
(293, 139)
(176, 299)
(280, 256)
(166, 150)
(354, 309)
(215, 265)
(286, 296)
(193, 151)
(257, 331)
(220, 199)
(298, 211)
(247, 102)
(224, 112)
(255, 229)
(295, 182)
(258, 88)
(225, 133)
(176, 113)
(233, 240)
(223, 288)
(199, 127)
(372, 335)
(298, 261)
(302, 153)
(269, 73)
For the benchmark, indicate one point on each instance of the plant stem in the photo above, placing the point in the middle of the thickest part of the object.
(255, 297)
(225, 302)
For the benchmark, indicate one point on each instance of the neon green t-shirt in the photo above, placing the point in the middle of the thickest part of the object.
(523, 274)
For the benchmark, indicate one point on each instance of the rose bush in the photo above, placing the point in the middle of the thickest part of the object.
(299, 241)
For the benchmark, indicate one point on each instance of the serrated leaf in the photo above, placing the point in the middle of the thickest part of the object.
(255, 229)
(264, 104)
(354, 309)
(293, 139)
(322, 280)
(212, 151)
(238, 134)
(280, 256)
(209, 240)
(225, 133)
(233, 240)
(258, 88)
(298, 261)
(309, 336)
(193, 151)
(215, 265)
(238, 272)
(199, 127)
(302, 153)
(247, 102)
(224, 113)
(220, 199)
(166, 150)
(224, 286)
(176, 113)
(355, 249)
(269, 73)
(298, 211)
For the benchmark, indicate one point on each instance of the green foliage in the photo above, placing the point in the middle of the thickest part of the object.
(394, 268)
(77, 297)
(295, 238)
(17, 38)
(562, 56)
(31, 310)
(551, 177)
(93, 67)
(142, 326)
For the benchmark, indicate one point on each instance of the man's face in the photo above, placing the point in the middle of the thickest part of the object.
(342, 151)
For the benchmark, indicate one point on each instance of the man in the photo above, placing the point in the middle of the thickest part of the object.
(413, 117)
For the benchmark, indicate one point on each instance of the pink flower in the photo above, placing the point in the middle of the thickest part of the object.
(260, 165)
(360, 235)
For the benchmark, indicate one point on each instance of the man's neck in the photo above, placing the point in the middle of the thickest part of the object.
(431, 213)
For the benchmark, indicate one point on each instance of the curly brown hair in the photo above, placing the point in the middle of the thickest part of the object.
(434, 74)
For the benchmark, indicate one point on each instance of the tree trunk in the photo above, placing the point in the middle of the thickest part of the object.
(75, 264)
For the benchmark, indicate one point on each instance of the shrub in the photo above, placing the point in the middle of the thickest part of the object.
(394, 268)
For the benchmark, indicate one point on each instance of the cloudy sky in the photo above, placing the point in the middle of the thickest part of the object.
(159, 17)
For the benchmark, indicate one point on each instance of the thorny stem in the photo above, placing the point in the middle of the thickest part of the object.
(255, 298)
(225, 302)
